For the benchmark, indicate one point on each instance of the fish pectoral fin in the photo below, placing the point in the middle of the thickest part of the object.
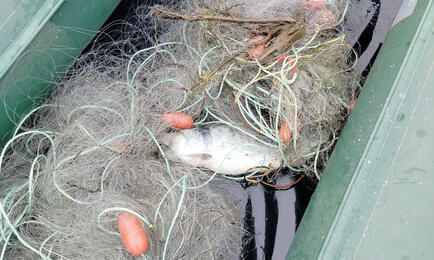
(200, 156)
(200, 159)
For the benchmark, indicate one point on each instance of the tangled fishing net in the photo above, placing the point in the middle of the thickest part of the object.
(92, 156)
(287, 83)
(276, 72)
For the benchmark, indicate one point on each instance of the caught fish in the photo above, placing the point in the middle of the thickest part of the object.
(220, 148)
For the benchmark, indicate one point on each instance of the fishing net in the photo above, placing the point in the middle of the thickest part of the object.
(63, 188)
(94, 149)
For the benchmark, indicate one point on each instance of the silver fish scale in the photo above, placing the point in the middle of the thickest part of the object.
(220, 148)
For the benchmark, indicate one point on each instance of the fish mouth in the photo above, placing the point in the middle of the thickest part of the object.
(165, 140)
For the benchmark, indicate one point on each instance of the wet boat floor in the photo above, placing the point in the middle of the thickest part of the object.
(271, 216)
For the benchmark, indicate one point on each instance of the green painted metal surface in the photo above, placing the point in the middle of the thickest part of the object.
(376, 197)
(39, 40)
(20, 21)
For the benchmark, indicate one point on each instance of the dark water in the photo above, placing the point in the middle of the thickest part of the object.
(272, 216)
(366, 27)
